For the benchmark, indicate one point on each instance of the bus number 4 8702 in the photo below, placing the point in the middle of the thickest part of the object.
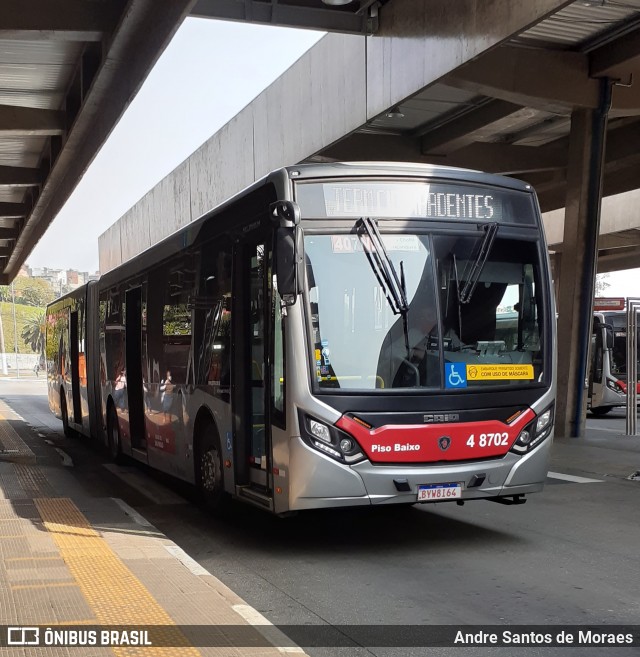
(489, 440)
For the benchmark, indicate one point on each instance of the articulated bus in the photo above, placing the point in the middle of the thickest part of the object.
(335, 335)
(608, 366)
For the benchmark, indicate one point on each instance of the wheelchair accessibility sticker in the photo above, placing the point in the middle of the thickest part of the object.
(455, 375)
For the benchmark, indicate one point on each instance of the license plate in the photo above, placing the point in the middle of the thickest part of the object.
(434, 492)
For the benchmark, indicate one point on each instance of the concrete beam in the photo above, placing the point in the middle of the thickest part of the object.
(507, 159)
(69, 20)
(495, 158)
(623, 239)
(620, 217)
(8, 233)
(458, 131)
(611, 242)
(621, 169)
(30, 122)
(316, 18)
(549, 80)
(19, 177)
(142, 34)
(617, 259)
(371, 147)
(421, 41)
(13, 210)
(615, 58)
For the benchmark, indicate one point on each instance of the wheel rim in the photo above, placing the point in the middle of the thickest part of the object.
(209, 469)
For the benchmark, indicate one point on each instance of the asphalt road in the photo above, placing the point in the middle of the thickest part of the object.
(568, 556)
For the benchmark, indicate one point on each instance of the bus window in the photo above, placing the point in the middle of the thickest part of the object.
(114, 336)
(212, 322)
(176, 321)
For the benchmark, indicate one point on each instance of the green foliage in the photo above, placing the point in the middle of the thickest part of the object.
(29, 291)
(33, 333)
(24, 314)
(177, 320)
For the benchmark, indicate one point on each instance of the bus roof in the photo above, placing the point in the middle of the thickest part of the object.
(347, 169)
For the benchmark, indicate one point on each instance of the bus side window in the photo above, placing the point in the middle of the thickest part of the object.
(176, 320)
(212, 321)
(114, 335)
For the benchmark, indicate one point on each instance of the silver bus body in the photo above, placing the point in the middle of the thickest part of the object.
(608, 362)
(153, 336)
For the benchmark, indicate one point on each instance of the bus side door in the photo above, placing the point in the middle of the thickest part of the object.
(251, 385)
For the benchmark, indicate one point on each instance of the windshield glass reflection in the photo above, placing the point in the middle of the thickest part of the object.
(360, 341)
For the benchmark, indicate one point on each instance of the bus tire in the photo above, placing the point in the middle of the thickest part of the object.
(114, 442)
(64, 414)
(208, 465)
(600, 410)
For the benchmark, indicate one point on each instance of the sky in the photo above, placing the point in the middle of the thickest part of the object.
(622, 283)
(208, 73)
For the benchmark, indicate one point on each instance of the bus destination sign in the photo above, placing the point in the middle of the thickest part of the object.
(412, 199)
(408, 200)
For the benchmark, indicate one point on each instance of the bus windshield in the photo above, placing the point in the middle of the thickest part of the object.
(489, 336)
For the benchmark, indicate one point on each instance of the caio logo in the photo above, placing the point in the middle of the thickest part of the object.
(436, 418)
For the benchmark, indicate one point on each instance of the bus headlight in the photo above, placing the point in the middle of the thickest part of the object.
(534, 433)
(544, 420)
(346, 444)
(329, 440)
(615, 386)
(319, 430)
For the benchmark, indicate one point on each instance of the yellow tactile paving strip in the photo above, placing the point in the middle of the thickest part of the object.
(12, 447)
(115, 595)
(33, 481)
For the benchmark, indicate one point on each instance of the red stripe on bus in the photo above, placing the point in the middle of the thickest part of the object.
(623, 386)
(411, 443)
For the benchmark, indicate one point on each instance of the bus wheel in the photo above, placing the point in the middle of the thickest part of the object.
(113, 435)
(600, 410)
(209, 478)
(66, 429)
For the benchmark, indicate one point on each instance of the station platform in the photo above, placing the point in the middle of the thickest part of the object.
(68, 560)
(71, 559)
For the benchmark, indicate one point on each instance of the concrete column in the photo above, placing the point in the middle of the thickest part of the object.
(579, 255)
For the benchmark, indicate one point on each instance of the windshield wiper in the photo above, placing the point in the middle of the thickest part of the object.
(464, 296)
(393, 287)
(382, 266)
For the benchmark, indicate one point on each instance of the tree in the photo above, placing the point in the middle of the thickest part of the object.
(29, 291)
(33, 333)
(601, 284)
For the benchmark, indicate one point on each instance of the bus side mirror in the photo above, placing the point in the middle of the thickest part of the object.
(288, 263)
(289, 250)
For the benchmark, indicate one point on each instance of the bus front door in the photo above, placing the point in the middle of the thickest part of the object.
(252, 435)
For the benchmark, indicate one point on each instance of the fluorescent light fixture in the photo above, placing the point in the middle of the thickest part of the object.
(336, 3)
